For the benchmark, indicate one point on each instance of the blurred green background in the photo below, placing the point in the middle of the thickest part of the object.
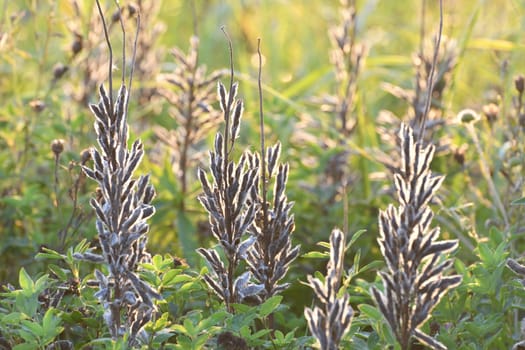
(53, 57)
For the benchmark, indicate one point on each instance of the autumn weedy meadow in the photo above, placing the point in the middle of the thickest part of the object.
(262, 175)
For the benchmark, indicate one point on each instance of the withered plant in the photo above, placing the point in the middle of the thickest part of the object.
(272, 253)
(191, 106)
(346, 56)
(231, 202)
(122, 207)
(88, 61)
(414, 281)
(434, 64)
(330, 322)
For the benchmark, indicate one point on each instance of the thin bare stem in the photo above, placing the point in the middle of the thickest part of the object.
(421, 49)
(430, 83)
(263, 150)
(110, 49)
(123, 42)
(55, 187)
(133, 58)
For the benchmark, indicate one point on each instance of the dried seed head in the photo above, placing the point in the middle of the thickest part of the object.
(85, 156)
(98, 194)
(57, 146)
(77, 45)
(467, 116)
(37, 105)
(116, 16)
(491, 111)
(227, 340)
(59, 70)
(132, 10)
(519, 83)
(459, 154)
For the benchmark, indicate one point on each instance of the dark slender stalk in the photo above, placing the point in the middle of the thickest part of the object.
(264, 180)
(123, 42)
(430, 83)
(55, 187)
(133, 58)
(415, 102)
(110, 50)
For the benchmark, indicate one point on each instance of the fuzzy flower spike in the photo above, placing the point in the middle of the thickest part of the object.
(414, 281)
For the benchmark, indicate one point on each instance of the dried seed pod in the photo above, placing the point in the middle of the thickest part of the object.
(519, 83)
(415, 280)
(37, 105)
(330, 323)
(57, 147)
(59, 70)
(77, 44)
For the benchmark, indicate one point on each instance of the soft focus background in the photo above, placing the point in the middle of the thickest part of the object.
(53, 57)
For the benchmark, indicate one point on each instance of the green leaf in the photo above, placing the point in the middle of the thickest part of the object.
(161, 337)
(174, 276)
(213, 320)
(33, 327)
(315, 255)
(26, 283)
(157, 261)
(41, 284)
(82, 246)
(201, 340)
(50, 324)
(270, 305)
(44, 256)
(260, 333)
(520, 201)
(376, 264)
(12, 318)
(59, 272)
(245, 331)
(493, 44)
(187, 238)
(25, 346)
(190, 328)
(354, 238)
(324, 244)
(371, 311)
(26, 304)
(179, 329)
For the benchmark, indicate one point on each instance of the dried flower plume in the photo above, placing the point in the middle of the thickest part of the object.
(414, 281)
(330, 323)
(231, 204)
(122, 209)
(191, 101)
